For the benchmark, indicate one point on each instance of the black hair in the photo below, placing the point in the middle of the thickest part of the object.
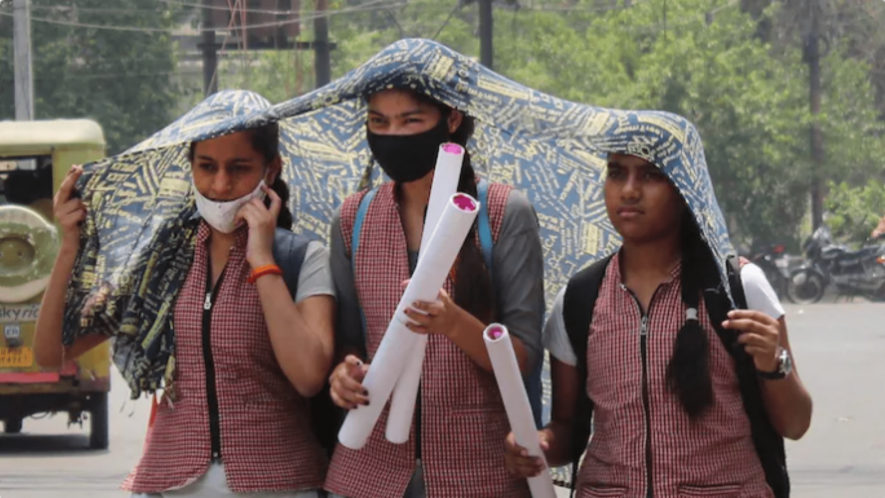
(474, 291)
(473, 282)
(266, 141)
(688, 373)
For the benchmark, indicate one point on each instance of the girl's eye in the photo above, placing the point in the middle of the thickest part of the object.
(240, 169)
(615, 173)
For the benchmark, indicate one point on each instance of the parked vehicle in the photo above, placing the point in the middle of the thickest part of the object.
(35, 156)
(852, 273)
(772, 259)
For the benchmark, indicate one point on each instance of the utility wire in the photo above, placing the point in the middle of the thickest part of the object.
(329, 13)
(446, 23)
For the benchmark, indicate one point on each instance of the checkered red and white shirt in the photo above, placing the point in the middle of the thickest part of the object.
(463, 423)
(266, 438)
(712, 457)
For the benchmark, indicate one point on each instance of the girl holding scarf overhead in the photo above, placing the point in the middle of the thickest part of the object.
(248, 352)
(670, 401)
(454, 447)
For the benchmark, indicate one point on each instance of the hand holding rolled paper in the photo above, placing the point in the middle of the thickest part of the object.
(345, 383)
(516, 404)
(518, 461)
(437, 317)
(446, 175)
(398, 341)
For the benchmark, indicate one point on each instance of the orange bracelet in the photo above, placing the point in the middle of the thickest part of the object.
(264, 270)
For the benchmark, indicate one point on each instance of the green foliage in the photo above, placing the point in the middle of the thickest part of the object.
(276, 75)
(855, 211)
(749, 101)
(854, 131)
(362, 33)
(749, 107)
(711, 62)
(125, 80)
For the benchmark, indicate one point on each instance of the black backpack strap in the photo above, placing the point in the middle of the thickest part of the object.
(734, 281)
(577, 313)
(768, 443)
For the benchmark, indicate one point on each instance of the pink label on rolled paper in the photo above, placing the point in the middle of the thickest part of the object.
(495, 333)
(451, 148)
(464, 202)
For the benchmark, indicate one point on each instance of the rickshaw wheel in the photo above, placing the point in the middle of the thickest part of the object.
(12, 425)
(98, 422)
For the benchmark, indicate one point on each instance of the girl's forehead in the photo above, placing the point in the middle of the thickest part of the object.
(399, 100)
(393, 96)
(628, 161)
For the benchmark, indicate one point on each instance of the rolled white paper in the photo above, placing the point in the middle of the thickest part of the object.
(426, 281)
(516, 402)
(446, 174)
(449, 161)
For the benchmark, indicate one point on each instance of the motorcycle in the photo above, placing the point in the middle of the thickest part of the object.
(772, 259)
(852, 273)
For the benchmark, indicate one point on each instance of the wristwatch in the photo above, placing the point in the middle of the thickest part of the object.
(784, 366)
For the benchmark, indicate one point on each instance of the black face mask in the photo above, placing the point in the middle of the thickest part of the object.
(406, 158)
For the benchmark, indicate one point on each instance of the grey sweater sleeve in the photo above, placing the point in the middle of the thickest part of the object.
(348, 323)
(519, 274)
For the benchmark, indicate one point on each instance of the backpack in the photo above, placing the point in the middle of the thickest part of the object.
(578, 303)
(533, 380)
(289, 250)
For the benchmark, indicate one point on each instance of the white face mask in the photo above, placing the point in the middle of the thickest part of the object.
(221, 215)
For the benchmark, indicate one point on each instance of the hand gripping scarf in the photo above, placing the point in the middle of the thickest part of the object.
(138, 240)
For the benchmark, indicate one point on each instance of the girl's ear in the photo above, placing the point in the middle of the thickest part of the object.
(274, 168)
(456, 117)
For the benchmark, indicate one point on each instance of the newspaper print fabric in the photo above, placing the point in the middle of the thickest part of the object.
(140, 231)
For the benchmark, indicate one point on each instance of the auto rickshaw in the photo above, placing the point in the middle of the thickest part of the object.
(35, 156)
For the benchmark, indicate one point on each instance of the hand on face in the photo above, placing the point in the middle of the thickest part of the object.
(262, 223)
(227, 172)
(760, 337)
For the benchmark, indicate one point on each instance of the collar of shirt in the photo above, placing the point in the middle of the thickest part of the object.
(241, 234)
(674, 276)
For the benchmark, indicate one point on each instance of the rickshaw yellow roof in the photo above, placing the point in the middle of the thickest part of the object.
(50, 133)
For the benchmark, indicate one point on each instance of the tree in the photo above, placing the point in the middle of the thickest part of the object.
(277, 75)
(362, 33)
(747, 97)
(855, 25)
(855, 211)
(745, 90)
(126, 80)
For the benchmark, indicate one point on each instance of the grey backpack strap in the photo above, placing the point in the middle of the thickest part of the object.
(289, 250)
